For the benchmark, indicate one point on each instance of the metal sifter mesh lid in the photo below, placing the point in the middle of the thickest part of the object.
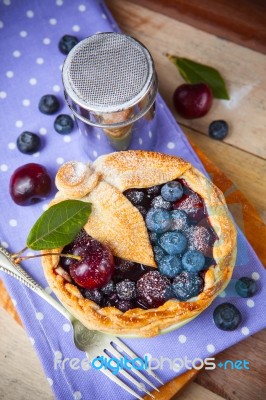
(108, 73)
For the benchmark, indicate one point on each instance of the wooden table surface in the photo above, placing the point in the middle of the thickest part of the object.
(241, 157)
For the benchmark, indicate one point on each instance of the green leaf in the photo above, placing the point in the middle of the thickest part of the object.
(194, 72)
(59, 225)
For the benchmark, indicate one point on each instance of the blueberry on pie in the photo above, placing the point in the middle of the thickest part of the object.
(156, 250)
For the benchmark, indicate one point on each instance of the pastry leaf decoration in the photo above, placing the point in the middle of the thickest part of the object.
(194, 72)
(59, 225)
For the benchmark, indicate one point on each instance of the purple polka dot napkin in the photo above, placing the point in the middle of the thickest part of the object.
(31, 67)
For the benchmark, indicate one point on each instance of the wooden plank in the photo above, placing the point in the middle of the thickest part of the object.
(239, 21)
(195, 391)
(22, 376)
(244, 71)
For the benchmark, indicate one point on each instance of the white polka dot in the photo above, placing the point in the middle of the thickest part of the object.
(140, 141)
(10, 74)
(75, 28)
(82, 8)
(59, 2)
(29, 254)
(1, 24)
(245, 330)
(16, 53)
(7, 2)
(43, 131)
(67, 139)
(14, 302)
(58, 354)
(170, 145)
(3, 167)
(50, 381)
(59, 160)
(182, 338)
(56, 88)
(23, 34)
(45, 207)
(95, 154)
(11, 145)
(19, 124)
(30, 14)
(4, 244)
(77, 396)
(48, 290)
(37, 154)
(46, 41)
(150, 134)
(39, 60)
(13, 222)
(3, 95)
(26, 102)
(222, 294)
(104, 16)
(32, 340)
(33, 81)
(210, 348)
(52, 21)
(39, 316)
(66, 327)
(250, 303)
(255, 276)
(98, 136)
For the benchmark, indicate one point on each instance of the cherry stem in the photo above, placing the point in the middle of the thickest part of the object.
(18, 259)
(16, 255)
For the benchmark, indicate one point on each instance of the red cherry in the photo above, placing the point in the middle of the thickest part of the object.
(29, 184)
(193, 205)
(192, 101)
(96, 267)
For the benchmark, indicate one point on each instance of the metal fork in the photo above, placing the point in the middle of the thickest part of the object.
(94, 343)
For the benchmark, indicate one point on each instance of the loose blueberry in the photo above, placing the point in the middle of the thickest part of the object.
(66, 43)
(180, 220)
(172, 191)
(158, 253)
(64, 124)
(170, 266)
(49, 104)
(93, 295)
(173, 242)
(158, 220)
(153, 289)
(227, 317)
(159, 202)
(187, 285)
(193, 261)
(246, 287)
(218, 129)
(126, 290)
(108, 289)
(28, 142)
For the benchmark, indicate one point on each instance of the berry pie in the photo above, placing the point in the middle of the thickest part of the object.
(156, 250)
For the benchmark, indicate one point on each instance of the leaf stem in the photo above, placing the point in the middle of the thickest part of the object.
(19, 259)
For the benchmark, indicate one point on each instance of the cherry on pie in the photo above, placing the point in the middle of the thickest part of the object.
(156, 250)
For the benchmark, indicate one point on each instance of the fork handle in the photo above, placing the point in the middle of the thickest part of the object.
(8, 266)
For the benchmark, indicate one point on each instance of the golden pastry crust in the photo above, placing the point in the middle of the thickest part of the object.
(114, 173)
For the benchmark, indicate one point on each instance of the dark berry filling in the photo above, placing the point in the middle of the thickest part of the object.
(182, 240)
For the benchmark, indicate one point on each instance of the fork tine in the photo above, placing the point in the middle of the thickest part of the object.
(139, 385)
(119, 343)
(136, 371)
(115, 379)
